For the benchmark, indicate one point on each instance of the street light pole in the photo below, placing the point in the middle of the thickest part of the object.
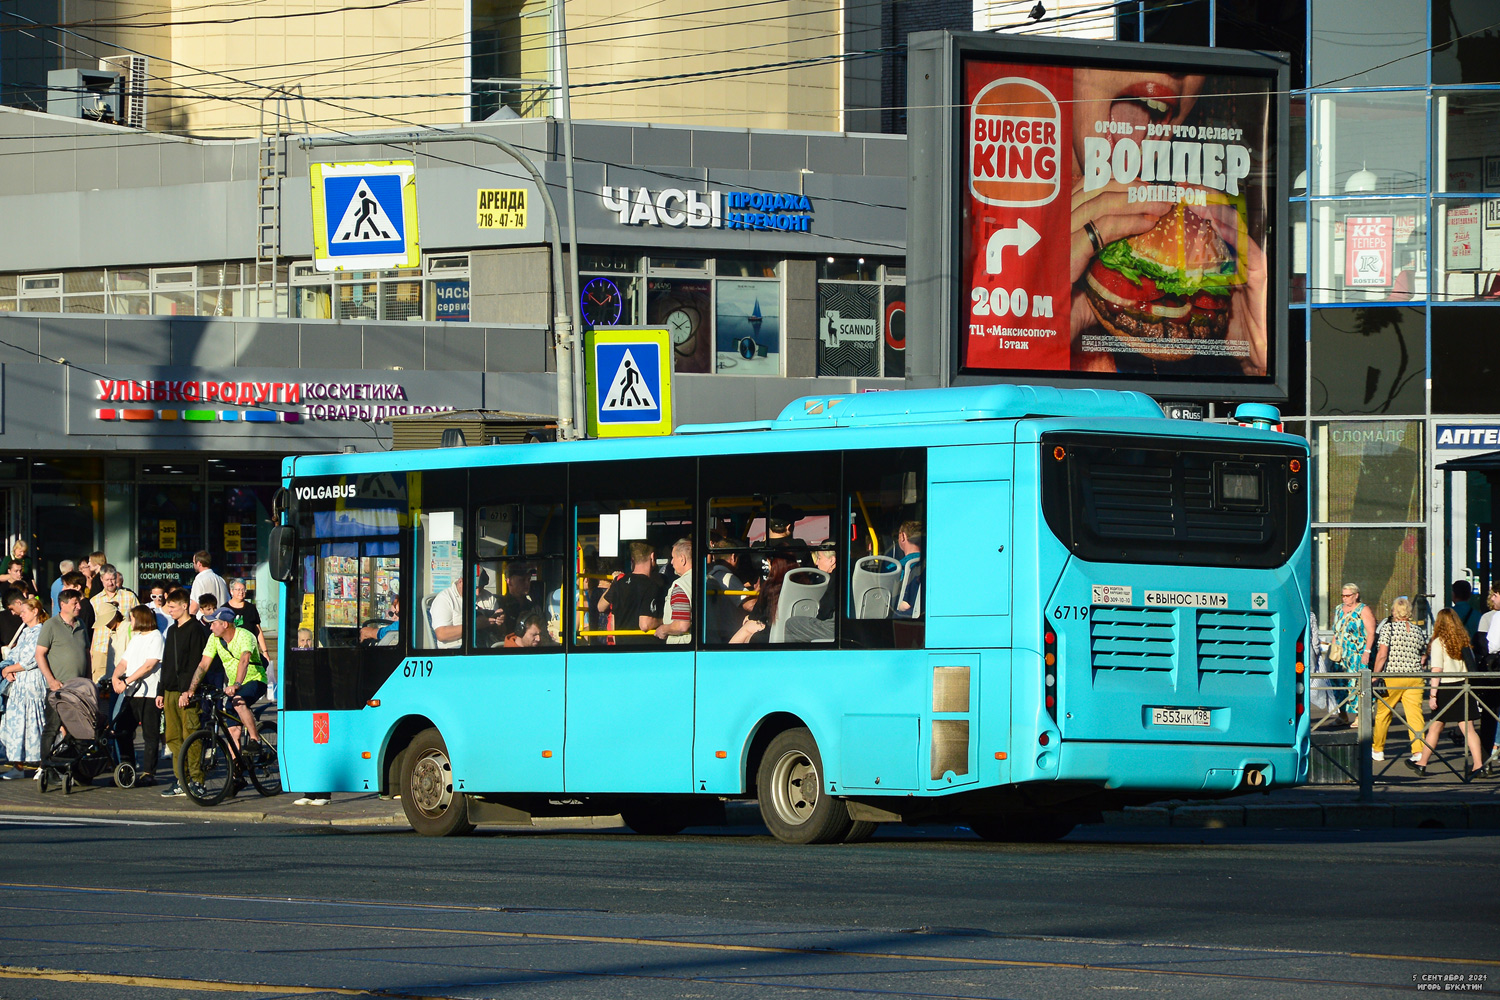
(562, 323)
(575, 308)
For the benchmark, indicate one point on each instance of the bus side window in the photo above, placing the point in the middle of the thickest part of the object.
(521, 552)
(629, 518)
(440, 595)
(886, 495)
(773, 534)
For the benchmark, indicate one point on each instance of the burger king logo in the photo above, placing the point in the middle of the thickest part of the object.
(1015, 144)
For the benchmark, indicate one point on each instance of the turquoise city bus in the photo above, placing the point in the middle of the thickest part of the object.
(1002, 606)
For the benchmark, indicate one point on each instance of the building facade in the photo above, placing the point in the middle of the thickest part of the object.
(144, 413)
(1394, 276)
(1395, 273)
(823, 65)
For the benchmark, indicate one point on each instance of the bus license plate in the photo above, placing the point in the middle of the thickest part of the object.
(1179, 717)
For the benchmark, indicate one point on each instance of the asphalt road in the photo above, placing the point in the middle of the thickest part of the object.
(92, 908)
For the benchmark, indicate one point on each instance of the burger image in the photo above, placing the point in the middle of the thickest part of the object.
(1170, 283)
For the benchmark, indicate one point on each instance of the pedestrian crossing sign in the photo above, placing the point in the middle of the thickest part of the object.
(629, 381)
(364, 215)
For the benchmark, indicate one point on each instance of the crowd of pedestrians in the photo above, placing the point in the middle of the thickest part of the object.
(147, 658)
(1400, 650)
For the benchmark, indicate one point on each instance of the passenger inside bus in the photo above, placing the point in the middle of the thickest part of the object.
(802, 627)
(909, 595)
(635, 598)
(677, 608)
(763, 616)
(531, 631)
(517, 601)
(726, 612)
(447, 615)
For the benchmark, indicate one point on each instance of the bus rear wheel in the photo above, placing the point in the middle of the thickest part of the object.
(1022, 829)
(789, 785)
(432, 806)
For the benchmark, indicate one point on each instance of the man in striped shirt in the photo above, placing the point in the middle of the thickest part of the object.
(677, 629)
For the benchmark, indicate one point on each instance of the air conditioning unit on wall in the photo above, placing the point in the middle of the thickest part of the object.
(132, 70)
(80, 93)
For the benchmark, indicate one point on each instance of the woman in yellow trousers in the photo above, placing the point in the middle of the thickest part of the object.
(1401, 650)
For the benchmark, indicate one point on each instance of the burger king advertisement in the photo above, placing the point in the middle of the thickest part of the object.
(1114, 209)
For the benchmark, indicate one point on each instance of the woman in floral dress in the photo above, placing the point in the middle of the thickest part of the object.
(26, 702)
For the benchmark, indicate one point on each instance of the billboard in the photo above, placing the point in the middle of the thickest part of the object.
(1112, 214)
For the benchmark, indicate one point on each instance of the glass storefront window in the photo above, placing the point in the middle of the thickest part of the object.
(239, 525)
(685, 309)
(726, 267)
(847, 269)
(128, 281)
(1467, 248)
(747, 326)
(1368, 250)
(314, 302)
(70, 467)
(1465, 367)
(849, 341)
(221, 302)
(1368, 360)
(174, 304)
(1466, 46)
(1298, 287)
(679, 264)
(169, 524)
(1369, 143)
(401, 300)
(359, 301)
(1368, 471)
(84, 304)
(77, 282)
(1352, 46)
(610, 299)
(217, 275)
(1386, 563)
(1466, 141)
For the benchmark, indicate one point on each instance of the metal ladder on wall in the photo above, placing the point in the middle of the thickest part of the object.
(276, 124)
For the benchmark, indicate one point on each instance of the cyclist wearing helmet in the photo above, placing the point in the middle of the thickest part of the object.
(245, 678)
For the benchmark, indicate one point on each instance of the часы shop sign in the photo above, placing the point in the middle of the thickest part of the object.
(290, 402)
(763, 211)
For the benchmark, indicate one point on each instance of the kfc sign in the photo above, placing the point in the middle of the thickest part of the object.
(1369, 242)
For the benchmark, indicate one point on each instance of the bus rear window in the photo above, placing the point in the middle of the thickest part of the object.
(1112, 498)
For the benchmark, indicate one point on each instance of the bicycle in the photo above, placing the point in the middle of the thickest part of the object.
(226, 767)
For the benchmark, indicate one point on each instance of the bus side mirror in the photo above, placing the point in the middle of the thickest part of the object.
(283, 555)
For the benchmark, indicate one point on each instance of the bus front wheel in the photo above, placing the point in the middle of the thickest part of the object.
(432, 806)
(789, 785)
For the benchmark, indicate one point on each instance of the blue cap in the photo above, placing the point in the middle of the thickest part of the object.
(225, 614)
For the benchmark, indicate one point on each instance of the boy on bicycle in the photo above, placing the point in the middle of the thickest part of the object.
(245, 677)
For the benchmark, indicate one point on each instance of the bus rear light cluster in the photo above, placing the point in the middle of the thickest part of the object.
(1301, 675)
(1049, 669)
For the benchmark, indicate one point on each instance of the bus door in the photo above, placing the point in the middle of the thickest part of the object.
(629, 693)
(969, 547)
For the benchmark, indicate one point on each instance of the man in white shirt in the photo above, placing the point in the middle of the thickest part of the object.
(206, 582)
(447, 611)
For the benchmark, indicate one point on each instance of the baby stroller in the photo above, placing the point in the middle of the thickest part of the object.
(83, 751)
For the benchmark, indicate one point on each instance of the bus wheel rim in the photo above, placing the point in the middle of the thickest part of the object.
(794, 787)
(432, 783)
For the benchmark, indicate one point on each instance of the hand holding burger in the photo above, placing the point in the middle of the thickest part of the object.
(1171, 285)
